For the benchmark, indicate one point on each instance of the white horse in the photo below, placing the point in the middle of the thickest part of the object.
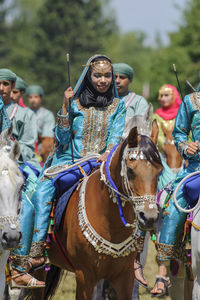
(11, 183)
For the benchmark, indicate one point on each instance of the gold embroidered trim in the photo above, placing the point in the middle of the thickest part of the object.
(195, 99)
(37, 249)
(62, 121)
(20, 261)
(95, 126)
(167, 252)
(181, 146)
(139, 244)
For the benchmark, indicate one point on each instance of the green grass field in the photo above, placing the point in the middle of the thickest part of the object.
(66, 289)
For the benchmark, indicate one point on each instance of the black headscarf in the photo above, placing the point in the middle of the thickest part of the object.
(91, 97)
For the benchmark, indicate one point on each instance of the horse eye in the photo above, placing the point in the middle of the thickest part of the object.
(130, 173)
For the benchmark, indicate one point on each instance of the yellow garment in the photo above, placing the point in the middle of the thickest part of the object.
(168, 124)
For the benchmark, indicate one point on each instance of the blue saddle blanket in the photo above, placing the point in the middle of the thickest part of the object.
(64, 180)
(65, 184)
(191, 189)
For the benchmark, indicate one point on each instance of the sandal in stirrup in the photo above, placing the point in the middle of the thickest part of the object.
(164, 291)
(31, 284)
(140, 266)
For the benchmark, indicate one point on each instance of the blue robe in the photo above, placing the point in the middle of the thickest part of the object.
(188, 119)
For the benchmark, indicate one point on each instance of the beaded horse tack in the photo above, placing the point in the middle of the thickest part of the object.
(99, 243)
(13, 221)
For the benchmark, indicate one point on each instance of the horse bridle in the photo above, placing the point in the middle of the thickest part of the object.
(98, 242)
(13, 221)
(137, 202)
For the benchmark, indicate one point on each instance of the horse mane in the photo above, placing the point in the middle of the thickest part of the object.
(147, 147)
(150, 150)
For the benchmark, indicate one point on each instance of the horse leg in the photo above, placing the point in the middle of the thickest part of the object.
(3, 261)
(195, 244)
(123, 286)
(176, 291)
(39, 293)
(84, 286)
(188, 287)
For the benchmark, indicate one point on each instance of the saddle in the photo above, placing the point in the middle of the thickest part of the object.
(66, 182)
(191, 189)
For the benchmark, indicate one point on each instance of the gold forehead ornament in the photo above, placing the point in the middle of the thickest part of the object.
(99, 66)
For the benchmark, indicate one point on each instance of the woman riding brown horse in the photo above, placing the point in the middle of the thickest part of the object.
(92, 236)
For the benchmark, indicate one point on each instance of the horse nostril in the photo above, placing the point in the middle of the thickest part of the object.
(20, 236)
(142, 216)
(4, 237)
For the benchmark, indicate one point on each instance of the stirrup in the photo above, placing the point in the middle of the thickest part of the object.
(164, 291)
(36, 268)
(140, 266)
(32, 283)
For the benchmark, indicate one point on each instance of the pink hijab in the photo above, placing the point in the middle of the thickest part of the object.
(170, 112)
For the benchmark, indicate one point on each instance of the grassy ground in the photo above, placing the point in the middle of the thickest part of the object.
(67, 287)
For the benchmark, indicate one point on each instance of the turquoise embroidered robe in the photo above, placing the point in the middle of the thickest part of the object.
(188, 119)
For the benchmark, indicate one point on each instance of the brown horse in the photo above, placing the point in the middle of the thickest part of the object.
(92, 233)
(45, 145)
(173, 157)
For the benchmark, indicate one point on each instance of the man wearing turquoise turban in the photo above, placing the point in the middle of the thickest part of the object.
(45, 118)
(135, 104)
(18, 91)
(25, 132)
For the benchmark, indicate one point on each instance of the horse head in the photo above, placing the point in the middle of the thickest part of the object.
(141, 165)
(11, 183)
(173, 158)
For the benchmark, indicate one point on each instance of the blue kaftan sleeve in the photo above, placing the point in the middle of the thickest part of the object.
(182, 127)
(62, 129)
(117, 124)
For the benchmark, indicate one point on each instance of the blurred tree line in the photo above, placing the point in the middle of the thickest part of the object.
(35, 36)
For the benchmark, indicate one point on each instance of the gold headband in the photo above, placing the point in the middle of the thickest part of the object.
(99, 63)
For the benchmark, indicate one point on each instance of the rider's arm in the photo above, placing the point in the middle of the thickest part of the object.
(62, 129)
(182, 127)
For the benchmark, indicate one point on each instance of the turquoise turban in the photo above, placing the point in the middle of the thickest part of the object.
(124, 69)
(20, 84)
(35, 89)
(6, 74)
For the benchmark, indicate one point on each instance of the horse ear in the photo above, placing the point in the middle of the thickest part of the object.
(15, 151)
(6, 133)
(154, 132)
(132, 139)
(164, 129)
(149, 113)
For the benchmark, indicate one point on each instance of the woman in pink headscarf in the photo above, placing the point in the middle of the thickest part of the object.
(170, 101)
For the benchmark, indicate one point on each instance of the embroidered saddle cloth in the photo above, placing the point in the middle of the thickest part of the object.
(191, 189)
(65, 184)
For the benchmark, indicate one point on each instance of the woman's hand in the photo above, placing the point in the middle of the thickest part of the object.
(103, 157)
(68, 95)
(192, 148)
